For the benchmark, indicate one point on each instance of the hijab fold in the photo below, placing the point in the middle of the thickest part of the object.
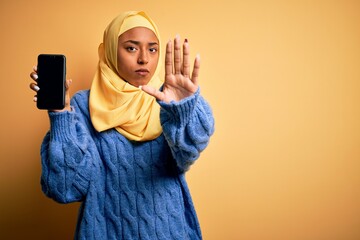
(114, 103)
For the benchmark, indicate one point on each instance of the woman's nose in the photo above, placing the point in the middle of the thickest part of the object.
(143, 57)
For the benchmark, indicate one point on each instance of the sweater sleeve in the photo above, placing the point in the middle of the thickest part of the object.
(68, 156)
(187, 127)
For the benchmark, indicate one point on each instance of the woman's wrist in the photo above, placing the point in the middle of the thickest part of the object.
(67, 108)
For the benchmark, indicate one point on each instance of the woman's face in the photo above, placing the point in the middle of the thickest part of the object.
(138, 55)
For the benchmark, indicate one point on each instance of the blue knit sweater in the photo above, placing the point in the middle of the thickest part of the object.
(129, 190)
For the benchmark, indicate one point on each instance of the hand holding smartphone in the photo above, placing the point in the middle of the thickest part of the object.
(51, 70)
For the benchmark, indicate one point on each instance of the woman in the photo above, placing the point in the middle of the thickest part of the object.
(123, 147)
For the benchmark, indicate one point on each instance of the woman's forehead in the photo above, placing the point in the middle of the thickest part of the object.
(139, 34)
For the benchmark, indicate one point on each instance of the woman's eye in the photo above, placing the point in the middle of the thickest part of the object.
(153, 50)
(131, 49)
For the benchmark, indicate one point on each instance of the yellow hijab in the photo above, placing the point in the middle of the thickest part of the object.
(113, 102)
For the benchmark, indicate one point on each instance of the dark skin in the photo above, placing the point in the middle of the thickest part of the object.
(138, 55)
(179, 82)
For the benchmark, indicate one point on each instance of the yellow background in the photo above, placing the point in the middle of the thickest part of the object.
(282, 76)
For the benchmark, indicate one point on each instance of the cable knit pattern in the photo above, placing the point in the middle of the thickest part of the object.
(129, 190)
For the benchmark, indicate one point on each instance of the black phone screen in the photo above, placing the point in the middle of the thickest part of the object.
(51, 72)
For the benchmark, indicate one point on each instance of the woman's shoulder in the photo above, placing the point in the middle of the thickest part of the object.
(81, 97)
(82, 94)
(80, 101)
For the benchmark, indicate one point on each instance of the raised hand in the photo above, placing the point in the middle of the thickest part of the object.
(178, 84)
(35, 88)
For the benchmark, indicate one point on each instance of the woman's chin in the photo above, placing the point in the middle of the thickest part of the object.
(139, 82)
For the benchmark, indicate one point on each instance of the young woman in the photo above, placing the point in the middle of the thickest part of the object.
(123, 147)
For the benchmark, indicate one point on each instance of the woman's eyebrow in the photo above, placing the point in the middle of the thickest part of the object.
(138, 43)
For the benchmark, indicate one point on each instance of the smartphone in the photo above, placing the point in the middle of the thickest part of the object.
(51, 70)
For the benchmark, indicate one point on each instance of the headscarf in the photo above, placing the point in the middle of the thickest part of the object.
(114, 103)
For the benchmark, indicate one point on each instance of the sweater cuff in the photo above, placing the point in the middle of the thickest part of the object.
(179, 111)
(61, 124)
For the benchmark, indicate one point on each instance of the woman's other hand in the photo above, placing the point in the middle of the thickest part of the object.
(179, 82)
(35, 88)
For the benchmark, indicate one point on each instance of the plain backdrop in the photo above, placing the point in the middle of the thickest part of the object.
(282, 77)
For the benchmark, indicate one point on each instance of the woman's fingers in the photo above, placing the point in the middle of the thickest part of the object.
(34, 76)
(68, 83)
(177, 55)
(177, 64)
(196, 70)
(178, 73)
(168, 59)
(186, 59)
(153, 92)
(34, 87)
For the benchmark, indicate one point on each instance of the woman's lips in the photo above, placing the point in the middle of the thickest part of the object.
(142, 72)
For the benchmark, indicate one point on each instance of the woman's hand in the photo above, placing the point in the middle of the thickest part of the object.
(35, 88)
(179, 84)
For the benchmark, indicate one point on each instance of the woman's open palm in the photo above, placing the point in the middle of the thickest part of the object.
(178, 84)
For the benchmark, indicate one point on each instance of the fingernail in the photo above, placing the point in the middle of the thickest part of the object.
(186, 40)
(177, 36)
(36, 88)
(35, 99)
(35, 76)
(140, 87)
(198, 56)
(35, 68)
